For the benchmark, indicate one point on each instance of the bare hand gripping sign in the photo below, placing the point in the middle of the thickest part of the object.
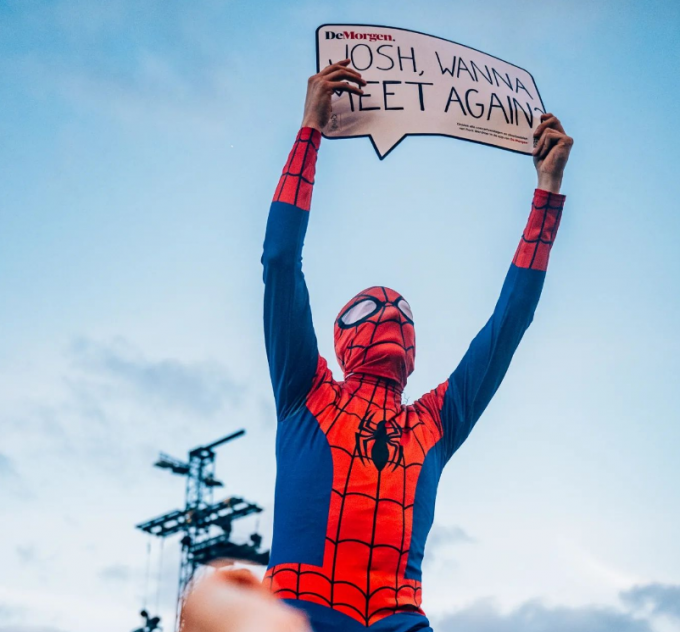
(420, 84)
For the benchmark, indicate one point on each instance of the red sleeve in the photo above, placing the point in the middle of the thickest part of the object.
(538, 237)
(290, 340)
(297, 180)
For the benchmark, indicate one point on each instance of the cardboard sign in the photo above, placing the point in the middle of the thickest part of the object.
(419, 84)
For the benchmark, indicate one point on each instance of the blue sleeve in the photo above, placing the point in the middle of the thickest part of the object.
(479, 374)
(290, 340)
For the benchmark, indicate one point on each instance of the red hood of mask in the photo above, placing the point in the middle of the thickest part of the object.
(374, 335)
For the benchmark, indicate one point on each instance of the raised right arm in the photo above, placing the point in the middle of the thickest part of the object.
(289, 334)
(458, 403)
(288, 331)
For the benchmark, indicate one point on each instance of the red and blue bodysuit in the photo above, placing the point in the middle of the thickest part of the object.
(357, 469)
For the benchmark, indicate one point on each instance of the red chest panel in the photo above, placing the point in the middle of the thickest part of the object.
(378, 447)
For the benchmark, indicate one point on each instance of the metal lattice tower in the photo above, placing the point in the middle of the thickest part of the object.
(206, 525)
(199, 496)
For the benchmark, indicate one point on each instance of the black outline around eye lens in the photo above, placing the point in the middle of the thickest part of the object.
(409, 318)
(378, 305)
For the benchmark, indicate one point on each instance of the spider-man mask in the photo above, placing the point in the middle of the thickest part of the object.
(374, 334)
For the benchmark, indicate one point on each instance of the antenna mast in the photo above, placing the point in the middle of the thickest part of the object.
(205, 525)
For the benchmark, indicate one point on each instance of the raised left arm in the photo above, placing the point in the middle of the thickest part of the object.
(461, 400)
(290, 340)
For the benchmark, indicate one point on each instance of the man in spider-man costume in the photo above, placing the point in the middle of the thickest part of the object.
(357, 469)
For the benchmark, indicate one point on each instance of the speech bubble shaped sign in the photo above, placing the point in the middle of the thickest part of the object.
(419, 84)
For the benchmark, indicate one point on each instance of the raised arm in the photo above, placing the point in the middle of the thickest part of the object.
(461, 400)
(289, 334)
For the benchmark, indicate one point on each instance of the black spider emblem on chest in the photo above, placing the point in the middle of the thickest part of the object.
(379, 442)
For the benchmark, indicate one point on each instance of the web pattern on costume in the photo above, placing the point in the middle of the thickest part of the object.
(370, 522)
(360, 564)
(537, 240)
(297, 180)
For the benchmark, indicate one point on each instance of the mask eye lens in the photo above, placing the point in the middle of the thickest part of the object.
(405, 309)
(363, 309)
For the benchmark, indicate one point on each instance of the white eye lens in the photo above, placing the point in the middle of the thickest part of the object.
(358, 311)
(405, 308)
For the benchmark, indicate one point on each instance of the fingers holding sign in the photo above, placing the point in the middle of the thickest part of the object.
(320, 88)
(551, 152)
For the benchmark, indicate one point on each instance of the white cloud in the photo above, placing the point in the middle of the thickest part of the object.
(660, 599)
(118, 368)
(484, 616)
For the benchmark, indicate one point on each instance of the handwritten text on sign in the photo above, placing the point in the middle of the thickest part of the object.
(420, 84)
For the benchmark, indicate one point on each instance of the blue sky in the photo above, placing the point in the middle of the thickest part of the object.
(140, 144)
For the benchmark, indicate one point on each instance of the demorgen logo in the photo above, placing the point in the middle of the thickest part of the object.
(353, 35)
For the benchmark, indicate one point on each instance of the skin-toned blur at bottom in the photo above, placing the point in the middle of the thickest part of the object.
(235, 601)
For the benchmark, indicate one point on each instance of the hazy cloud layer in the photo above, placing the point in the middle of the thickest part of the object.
(28, 628)
(12, 484)
(11, 617)
(26, 554)
(661, 599)
(6, 467)
(179, 78)
(117, 572)
(484, 616)
(441, 536)
(8, 614)
(201, 388)
(439, 552)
